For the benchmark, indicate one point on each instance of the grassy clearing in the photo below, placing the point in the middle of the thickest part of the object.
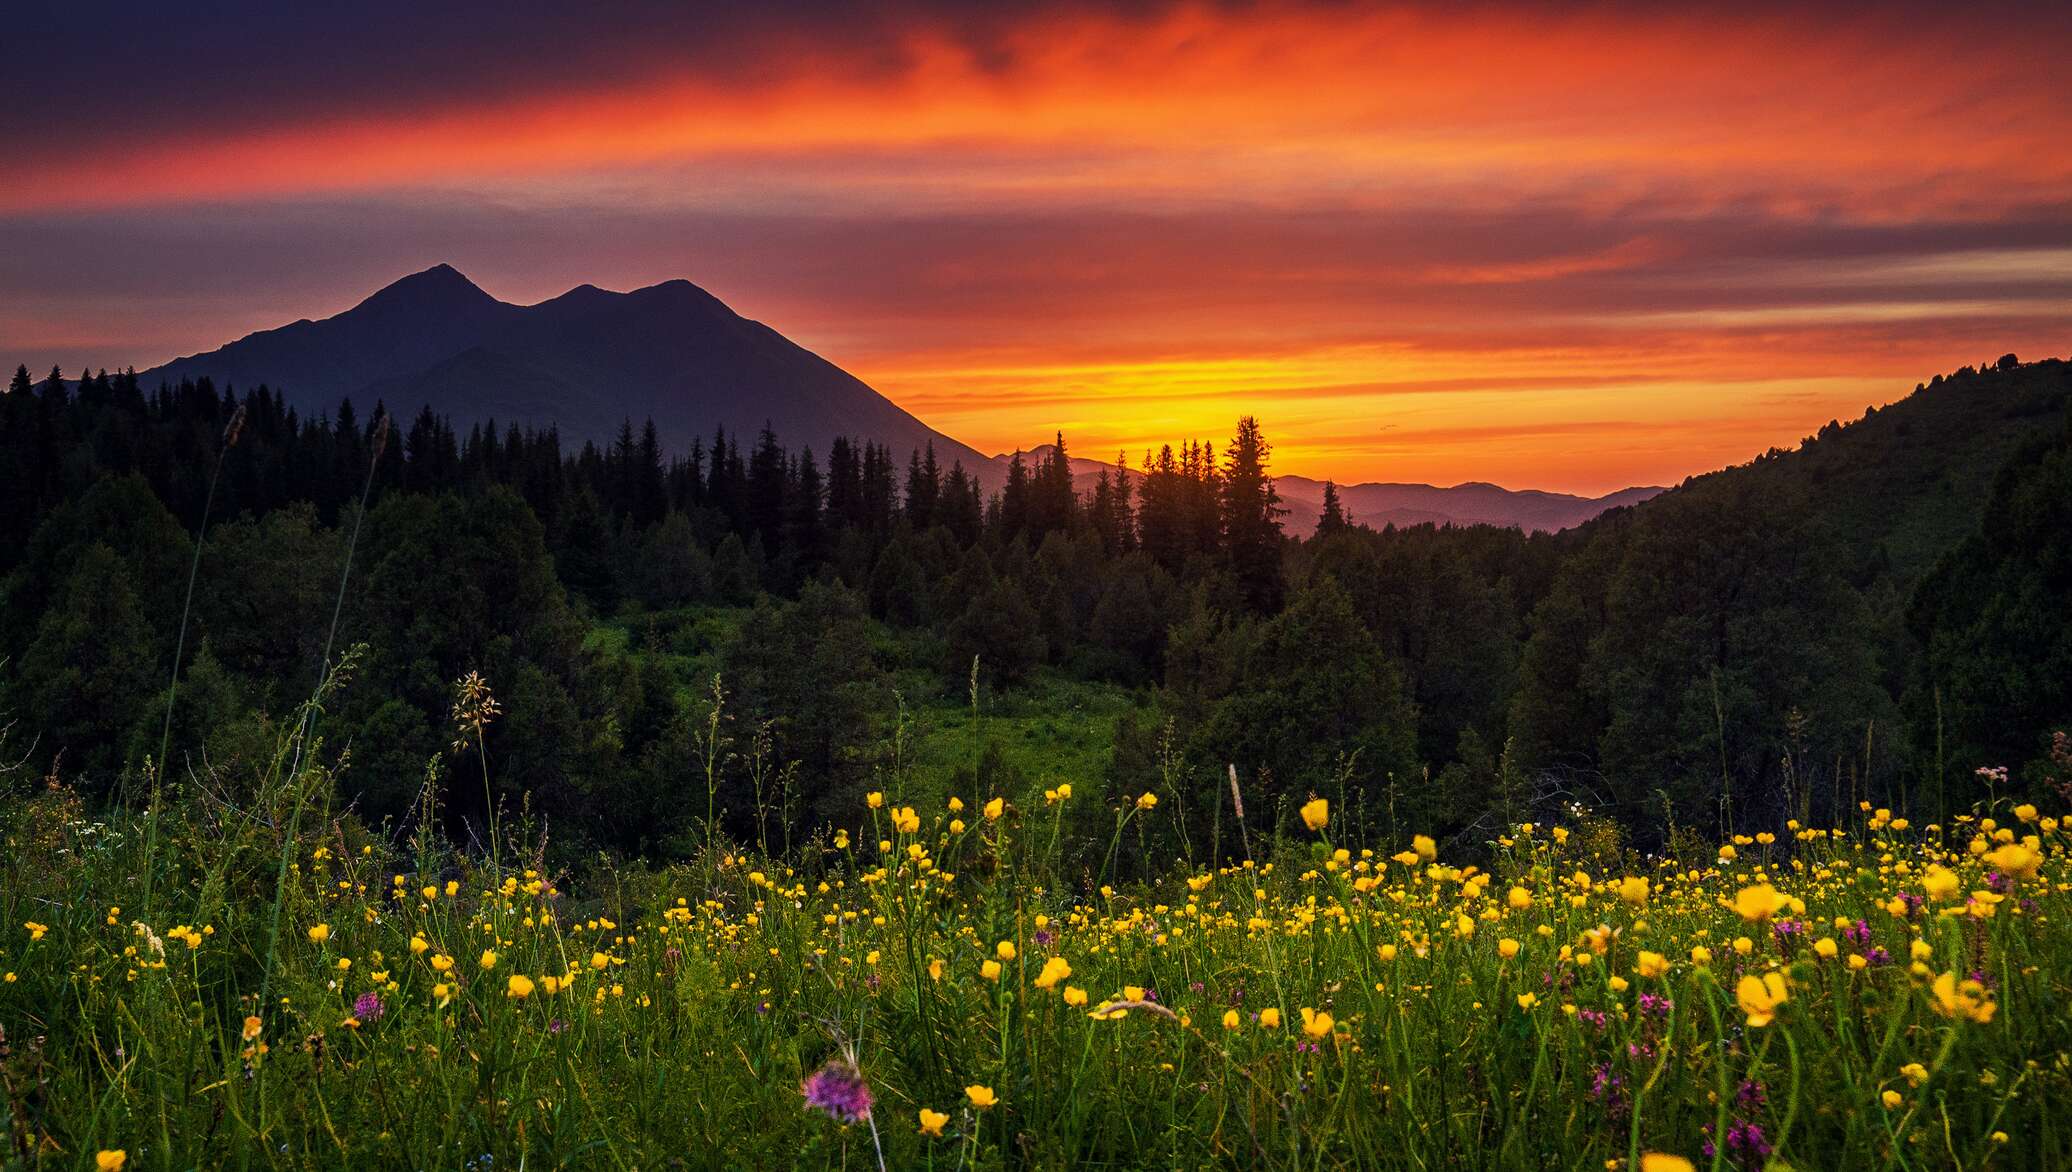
(930, 992)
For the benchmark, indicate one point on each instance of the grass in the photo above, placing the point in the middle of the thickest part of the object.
(1322, 1008)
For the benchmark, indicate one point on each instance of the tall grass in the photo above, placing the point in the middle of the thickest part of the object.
(1321, 1007)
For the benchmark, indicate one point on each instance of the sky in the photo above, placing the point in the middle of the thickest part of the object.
(1572, 247)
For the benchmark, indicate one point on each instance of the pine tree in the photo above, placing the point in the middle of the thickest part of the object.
(1333, 520)
(1252, 519)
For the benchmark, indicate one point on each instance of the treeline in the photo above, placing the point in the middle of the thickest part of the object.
(1733, 654)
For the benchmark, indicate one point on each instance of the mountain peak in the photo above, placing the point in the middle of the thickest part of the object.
(441, 286)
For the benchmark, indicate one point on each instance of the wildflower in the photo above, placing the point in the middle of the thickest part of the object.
(1230, 1019)
(36, 930)
(1633, 890)
(874, 799)
(368, 1007)
(419, 946)
(1426, 849)
(1966, 999)
(1315, 1024)
(1146, 800)
(488, 960)
(1316, 814)
(838, 1089)
(995, 808)
(1270, 1018)
(1507, 948)
(1650, 965)
(1075, 996)
(442, 963)
(990, 970)
(1519, 898)
(981, 1096)
(1662, 1162)
(252, 1027)
(1054, 970)
(1760, 997)
(932, 1121)
(318, 933)
(599, 961)
(1940, 883)
(1004, 950)
(1892, 1100)
(110, 1159)
(1526, 1001)
(519, 987)
(1701, 955)
(1826, 947)
(1914, 1073)
(905, 820)
(2016, 861)
(1758, 903)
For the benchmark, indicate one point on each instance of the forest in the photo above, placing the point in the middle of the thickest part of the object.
(1877, 615)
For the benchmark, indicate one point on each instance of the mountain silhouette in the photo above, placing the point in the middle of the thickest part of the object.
(591, 359)
(584, 361)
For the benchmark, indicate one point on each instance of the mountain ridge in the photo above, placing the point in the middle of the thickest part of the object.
(590, 358)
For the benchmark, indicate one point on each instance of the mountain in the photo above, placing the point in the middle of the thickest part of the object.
(584, 361)
(1377, 505)
(1473, 503)
(590, 359)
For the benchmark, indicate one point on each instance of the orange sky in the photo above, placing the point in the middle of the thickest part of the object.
(1571, 250)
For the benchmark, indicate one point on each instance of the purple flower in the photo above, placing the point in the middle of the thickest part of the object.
(838, 1089)
(368, 1007)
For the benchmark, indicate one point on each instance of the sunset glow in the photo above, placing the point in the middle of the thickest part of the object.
(1436, 243)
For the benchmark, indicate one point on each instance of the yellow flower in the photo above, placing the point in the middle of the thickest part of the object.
(1426, 849)
(2016, 861)
(442, 963)
(1633, 890)
(318, 933)
(1146, 800)
(1650, 965)
(874, 799)
(995, 808)
(1663, 1162)
(36, 930)
(932, 1121)
(1940, 883)
(419, 946)
(1914, 1073)
(252, 1027)
(599, 960)
(1315, 1024)
(990, 970)
(1316, 814)
(1826, 947)
(905, 820)
(1701, 955)
(110, 1159)
(488, 960)
(1760, 997)
(1758, 903)
(1004, 950)
(935, 967)
(1230, 1019)
(1054, 970)
(1519, 898)
(1075, 996)
(1507, 948)
(1270, 1017)
(1961, 999)
(1892, 1100)
(981, 1096)
(519, 986)
(1526, 1001)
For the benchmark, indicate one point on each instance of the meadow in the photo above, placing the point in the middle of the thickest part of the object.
(259, 979)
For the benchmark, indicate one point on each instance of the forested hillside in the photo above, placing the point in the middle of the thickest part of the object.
(1870, 617)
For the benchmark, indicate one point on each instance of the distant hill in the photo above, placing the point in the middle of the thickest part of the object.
(583, 361)
(1378, 505)
(1906, 483)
